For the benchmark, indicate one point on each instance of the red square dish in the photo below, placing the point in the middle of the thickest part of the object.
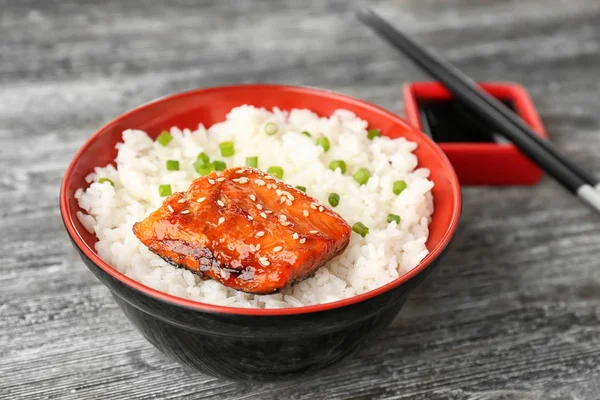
(485, 163)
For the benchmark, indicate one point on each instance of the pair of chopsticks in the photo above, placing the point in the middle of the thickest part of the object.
(578, 181)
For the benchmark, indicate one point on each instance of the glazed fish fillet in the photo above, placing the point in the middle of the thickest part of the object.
(245, 229)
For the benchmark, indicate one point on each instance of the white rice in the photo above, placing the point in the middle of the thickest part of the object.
(387, 252)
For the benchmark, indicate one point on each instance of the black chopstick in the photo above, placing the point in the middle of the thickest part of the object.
(437, 67)
(543, 153)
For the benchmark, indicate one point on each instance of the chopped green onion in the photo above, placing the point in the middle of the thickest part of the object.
(199, 164)
(373, 133)
(361, 176)
(203, 157)
(252, 162)
(202, 165)
(306, 133)
(302, 188)
(164, 138)
(172, 165)
(106, 180)
(335, 164)
(271, 128)
(204, 168)
(360, 228)
(334, 199)
(276, 171)
(324, 143)
(227, 149)
(220, 165)
(164, 190)
(399, 186)
(393, 217)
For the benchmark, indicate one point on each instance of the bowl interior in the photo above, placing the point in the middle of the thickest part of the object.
(208, 106)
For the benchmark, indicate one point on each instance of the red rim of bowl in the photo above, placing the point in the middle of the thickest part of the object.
(199, 306)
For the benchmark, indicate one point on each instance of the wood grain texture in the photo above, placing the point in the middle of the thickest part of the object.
(513, 311)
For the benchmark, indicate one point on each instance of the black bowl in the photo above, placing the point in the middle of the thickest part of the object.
(256, 344)
(258, 348)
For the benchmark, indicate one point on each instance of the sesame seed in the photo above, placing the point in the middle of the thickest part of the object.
(225, 274)
(262, 214)
(321, 208)
(277, 248)
(252, 248)
(295, 235)
(259, 206)
(220, 179)
(288, 202)
(250, 218)
(305, 212)
(221, 220)
(252, 197)
(258, 247)
(211, 181)
(303, 240)
(185, 212)
(259, 182)
(313, 207)
(264, 261)
(269, 211)
(220, 203)
(278, 192)
(269, 177)
(170, 208)
(285, 223)
(313, 232)
(282, 217)
(260, 234)
(244, 180)
(282, 200)
(181, 201)
(201, 199)
(288, 195)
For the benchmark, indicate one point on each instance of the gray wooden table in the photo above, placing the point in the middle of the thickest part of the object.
(513, 311)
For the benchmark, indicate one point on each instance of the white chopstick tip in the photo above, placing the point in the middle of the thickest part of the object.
(590, 195)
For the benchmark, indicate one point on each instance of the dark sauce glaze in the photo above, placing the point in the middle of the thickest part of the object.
(206, 260)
